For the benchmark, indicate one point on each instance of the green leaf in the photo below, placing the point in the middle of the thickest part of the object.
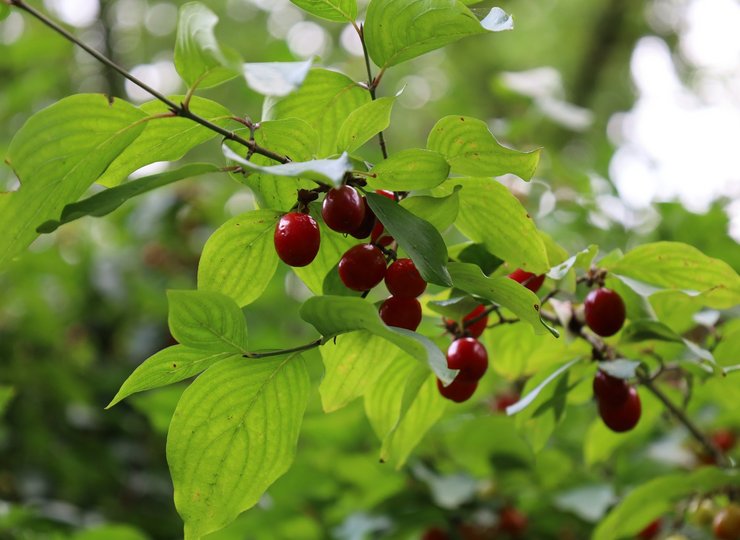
(645, 329)
(410, 169)
(4, 10)
(582, 259)
(621, 368)
(439, 211)
(364, 122)
(105, 202)
(234, 432)
(472, 150)
(318, 170)
(657, 497)
(239, 259)
(475, 253)
(324, 101)
(7, 393)
(503, 291)
(421, 241)
(199, 59)
(491, 215)
(353, 365)
(335, 315)
(276, 78)
(529, 398)
(57, 154)
(332, 10)
(677, 266)
(165, 139)
(399, 30)
(110, 532)
(168, 366)
(207, 321)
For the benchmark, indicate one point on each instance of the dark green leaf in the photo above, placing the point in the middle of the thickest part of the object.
(477, 254)
(410, 169)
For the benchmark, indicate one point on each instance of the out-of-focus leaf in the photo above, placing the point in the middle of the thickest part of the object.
(275, 78)
(582, 259)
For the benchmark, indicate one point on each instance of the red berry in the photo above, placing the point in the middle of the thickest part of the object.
(610, 390)
(512, 521)
(343, 209)
(378, 230)
(724, 439)
(362, 267)
(458, 390)
(531, 281)
(475, 329)
(401, 312)
(605, 311)
(622, 417)
(297, 239)
(726, 523)
(651, 531)
(368, 223)
(403, 279)
(506, 400)
(470, 357)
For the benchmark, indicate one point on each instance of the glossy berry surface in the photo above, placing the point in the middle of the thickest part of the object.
(458, 390)
(651, 531)
(401, 312)
(404, 280)
(343, 209)
(605, 312)
(368, 222)
(297, 239)
(362, 267)
(610, 390)
(624, 417)
(724, 439)
(470, 357)
(531, 281)
(726, 523)
(512, 521)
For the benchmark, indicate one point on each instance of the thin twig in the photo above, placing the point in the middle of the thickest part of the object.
(372, 83)
(281, 352)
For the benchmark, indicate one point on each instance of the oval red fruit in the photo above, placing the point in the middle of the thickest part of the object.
(297, 239)
(362, 267)
(531, 281)
(605, 311)
(458, 390)
(622, 417)
(401, 312)
(470, 357)
(343, 209)
(610, 390)
(404, 280)
(368, 223)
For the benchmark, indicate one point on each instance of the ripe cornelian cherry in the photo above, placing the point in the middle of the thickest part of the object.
(297, 239)
(377, 237)
(724, 439)
(470, 357)
(362, 267)
(404, 280)
(472, 330)
(605, 311)
(610, 390)
(531, 281)
(726, 523)
(651, 531)
(512, 521)
(401, 312)
(622, 417)
(368, 223)
(343, 209)
(458, 390)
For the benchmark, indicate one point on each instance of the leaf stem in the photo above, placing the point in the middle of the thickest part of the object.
(372, 83)
(281, 352)
(181, 110)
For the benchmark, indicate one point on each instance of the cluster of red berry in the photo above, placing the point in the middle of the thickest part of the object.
(511, 523)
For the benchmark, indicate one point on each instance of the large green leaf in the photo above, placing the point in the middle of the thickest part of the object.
(239, 259)
(165, 139)
(324, 101)
(352, 366)
(234, 432)
(207, 321)
(503, 291)
(657, 497)
(421, 241)
(105, 202)
(472, 150)
(335, 315)
(199, 59)
(677, 266)
(439, 211)
(491, 215)
(364, 122)
(168, 366)
(57, 154)
(410, 169)
(399, 30)
(332, 10)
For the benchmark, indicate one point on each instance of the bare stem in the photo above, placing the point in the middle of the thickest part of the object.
(181, 110)
(372, 84)
(281, 352)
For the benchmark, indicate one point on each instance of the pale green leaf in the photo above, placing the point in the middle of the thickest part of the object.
(532, 394)
(7, 393)
(332, 10)
(472, 150)
(335, 315)
(168, 366)
(57, 154)
(109, 532)
(582, 259)
(364, 122)
(234, 432)
(439, 211)
(207, 321)
(409, 170)
(105, 202)
(324, 101)
(276, 78)
(239, 259)
(199, 58)
(491, 215)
